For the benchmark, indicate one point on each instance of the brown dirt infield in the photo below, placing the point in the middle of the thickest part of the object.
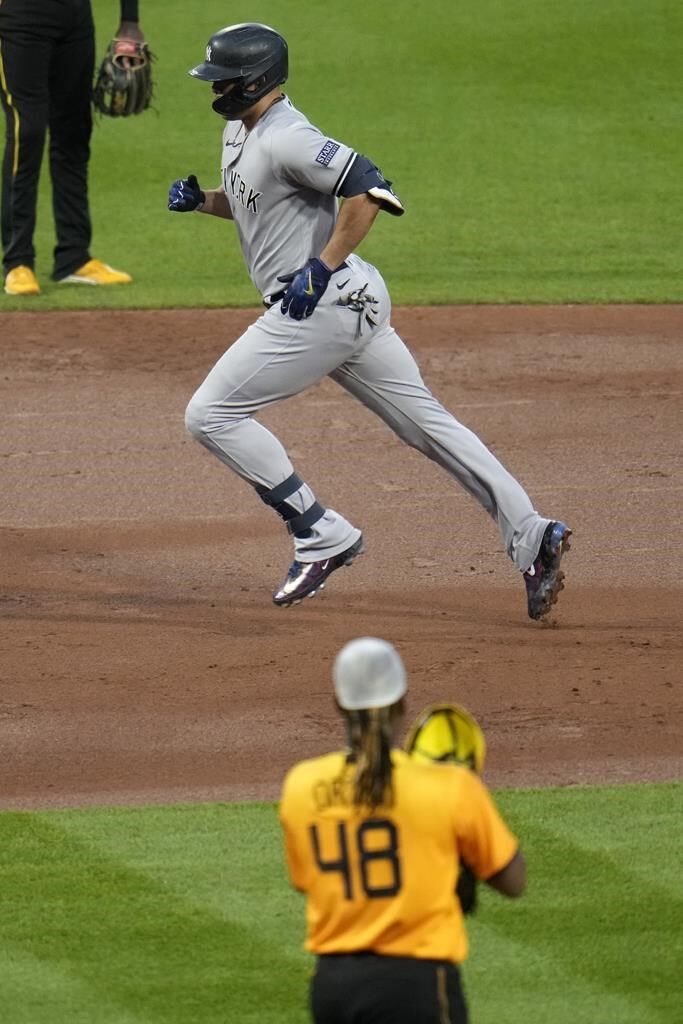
(141, 659)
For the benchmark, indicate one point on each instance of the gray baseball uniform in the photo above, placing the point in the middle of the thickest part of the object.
(282, 180)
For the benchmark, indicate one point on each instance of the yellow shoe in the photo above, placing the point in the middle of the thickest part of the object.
(21, 281)
(97, 272)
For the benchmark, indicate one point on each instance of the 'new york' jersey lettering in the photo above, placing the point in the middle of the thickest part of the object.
(240, 191)
(282, 180)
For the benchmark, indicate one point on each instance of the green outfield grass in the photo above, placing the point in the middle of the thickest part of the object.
(536, 145)
(176, 915)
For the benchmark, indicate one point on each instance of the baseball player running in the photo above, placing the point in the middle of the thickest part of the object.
(375, 840)
(327, 314)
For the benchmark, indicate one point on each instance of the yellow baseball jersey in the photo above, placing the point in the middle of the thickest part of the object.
(385, 881)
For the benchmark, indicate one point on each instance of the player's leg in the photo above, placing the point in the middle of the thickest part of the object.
(24, 89)
(384, 376)
(71, 75)
(274, 359)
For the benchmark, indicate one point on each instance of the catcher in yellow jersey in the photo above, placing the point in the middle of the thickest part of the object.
(375, 838)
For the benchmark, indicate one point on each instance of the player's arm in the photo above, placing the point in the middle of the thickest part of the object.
(355, 219)
(332, 169)
(297, 867)
(486, 843)
(216, 203)
(307, 285)
(129, 27)
(185, 195)
(510, 880)
(363, 177)
(364, 191)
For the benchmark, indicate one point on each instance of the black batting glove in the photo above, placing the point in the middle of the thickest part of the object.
(185, 195)
(305, 289)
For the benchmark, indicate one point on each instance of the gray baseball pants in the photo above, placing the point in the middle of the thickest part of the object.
(278, 357)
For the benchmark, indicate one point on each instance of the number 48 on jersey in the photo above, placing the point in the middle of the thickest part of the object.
(366, 856)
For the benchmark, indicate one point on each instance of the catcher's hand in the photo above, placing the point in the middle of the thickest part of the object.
(447, 733)
(123, 85)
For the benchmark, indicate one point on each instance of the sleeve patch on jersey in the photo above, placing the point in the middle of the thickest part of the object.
(327, 152)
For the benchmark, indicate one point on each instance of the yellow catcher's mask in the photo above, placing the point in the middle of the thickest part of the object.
(448, 733)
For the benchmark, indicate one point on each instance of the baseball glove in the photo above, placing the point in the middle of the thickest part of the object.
(446, 732)
(449, 734)
(123, 84)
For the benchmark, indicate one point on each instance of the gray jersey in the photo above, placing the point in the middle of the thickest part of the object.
(282, 181)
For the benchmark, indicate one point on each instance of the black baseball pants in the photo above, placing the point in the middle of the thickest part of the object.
(47, 55)
(363, 988)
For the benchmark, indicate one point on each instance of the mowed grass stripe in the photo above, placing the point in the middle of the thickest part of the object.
(136, 944)
(536, 146)
(611, 828)
(549, 173)
(588, 918)
(33, 990)
(184, 913)
(511, 982)
(224, 857)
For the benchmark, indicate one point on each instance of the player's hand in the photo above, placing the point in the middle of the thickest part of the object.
(126, 41)
(305, 289)
(130, 30)
(185, 195)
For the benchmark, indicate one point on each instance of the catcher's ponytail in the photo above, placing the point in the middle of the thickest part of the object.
(370, 735)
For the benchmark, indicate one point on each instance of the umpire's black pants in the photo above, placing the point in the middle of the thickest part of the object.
(47, 55)
(362, 988)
